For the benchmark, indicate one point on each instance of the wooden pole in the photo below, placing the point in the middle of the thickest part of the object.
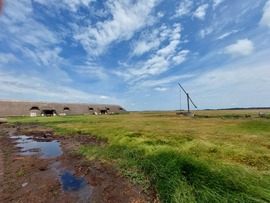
(188, 103)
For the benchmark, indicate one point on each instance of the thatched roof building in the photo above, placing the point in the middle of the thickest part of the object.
(31, 108)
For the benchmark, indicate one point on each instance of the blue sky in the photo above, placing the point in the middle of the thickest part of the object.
(134, 52)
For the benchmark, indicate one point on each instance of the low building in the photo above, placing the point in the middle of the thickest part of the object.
(31, 108)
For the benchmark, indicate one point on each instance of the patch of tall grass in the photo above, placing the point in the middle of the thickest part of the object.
(182, 178)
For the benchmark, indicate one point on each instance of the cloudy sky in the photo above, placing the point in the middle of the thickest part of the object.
(135, 52)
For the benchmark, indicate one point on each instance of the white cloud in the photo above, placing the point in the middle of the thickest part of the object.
(127, 18)
(161, 89)
(152, 40)
(92, 70)
(17, 11)
(265, 21)
(241, 47)
(154, 66)
(104, 97)
(175, 35)
(216, 3)
(160, 14)
(169, 49)
(161, 82)
(161, 60)
(6, 58)
(201, 11)
(22, 29)
(72, 5)
(181, 56)
(23, 85)
(142, 47)
(20, 86)
(44, 57)
(227, 34)
(35, 44)
(245, 82)
(221, 20)
(184, 8)
(30, 37)
(206, 31)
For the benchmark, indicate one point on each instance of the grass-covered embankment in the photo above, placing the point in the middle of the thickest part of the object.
(205, 159)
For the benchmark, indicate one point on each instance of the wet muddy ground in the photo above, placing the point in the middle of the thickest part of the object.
(38, 166)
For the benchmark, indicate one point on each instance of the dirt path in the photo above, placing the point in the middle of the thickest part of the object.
(34, 179)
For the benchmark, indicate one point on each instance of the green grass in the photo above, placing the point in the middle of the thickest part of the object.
(20, 172)
(215, 157)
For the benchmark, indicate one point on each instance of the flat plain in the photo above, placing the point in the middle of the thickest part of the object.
(216, 156)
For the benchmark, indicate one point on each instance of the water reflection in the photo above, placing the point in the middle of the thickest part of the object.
(30, 145)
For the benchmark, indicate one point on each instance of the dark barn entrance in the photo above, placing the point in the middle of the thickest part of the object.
(49, 112)
(103, 111)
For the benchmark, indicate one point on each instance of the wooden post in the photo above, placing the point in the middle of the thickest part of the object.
(188, 103)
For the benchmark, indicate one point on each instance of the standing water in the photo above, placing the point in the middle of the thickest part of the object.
(72, 184)
(69, 182)
(47, 148)
(31, 146)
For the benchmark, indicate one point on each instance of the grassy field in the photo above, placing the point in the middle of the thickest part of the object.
(217, 156)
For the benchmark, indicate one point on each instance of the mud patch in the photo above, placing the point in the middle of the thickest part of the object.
(64, 178)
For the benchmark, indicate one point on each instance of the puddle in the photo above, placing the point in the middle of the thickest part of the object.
(31, 146)
(48, 148)
(69, 182)
(77, 186)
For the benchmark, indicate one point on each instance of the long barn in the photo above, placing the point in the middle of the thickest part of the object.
(31, 108)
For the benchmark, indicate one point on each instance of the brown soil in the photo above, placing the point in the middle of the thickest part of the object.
(32, 179)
